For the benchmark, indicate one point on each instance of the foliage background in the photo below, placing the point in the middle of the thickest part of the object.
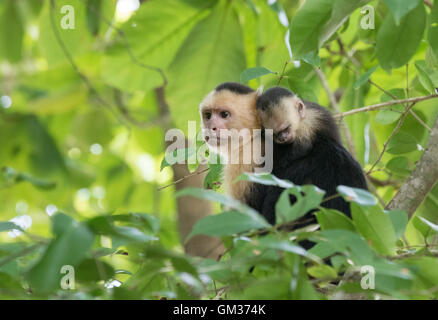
(82, 140)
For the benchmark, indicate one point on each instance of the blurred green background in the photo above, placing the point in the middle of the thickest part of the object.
(82, 119)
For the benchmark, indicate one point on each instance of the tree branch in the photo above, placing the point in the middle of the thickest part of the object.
(385, 104)
(422, 179)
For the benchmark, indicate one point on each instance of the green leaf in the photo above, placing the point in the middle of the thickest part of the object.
(339, 15)
(17, 177)
(431, 225)
(224, 224)
(12, 31)
(68, 248)
(322, 271)
(344, 241)
(76, 41)
(212, 53)
(8, 226)
(304, 90)
(253, 73)
(360, 196)
(421, 226)
(399, 221)
(213, 177)
(391, 114)
(423, 75)
(432, 34)
(399, 165)
(148, 221)
(333, 219)
(271, 242)
(177, 156)
(225, 200)
(94, 270)
(93, 15)
(105, 225)
(402, 143)
(307, 25)
(364, 78)
(376, 227)
(168, 24)
(400, 8)
(396, 44)
(311, 199)
(265, 179)
(317, 21)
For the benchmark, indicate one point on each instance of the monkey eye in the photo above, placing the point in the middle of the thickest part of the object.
(225, 114)
(207, 115)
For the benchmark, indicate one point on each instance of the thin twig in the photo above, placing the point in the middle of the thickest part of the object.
(282, 72)
(183, 178)
(385, 104)
(395, 98)
(396, 129)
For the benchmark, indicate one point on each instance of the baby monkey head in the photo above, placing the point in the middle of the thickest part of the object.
(282, 112)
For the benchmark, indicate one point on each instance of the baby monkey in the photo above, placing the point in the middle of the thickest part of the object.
(307, 150)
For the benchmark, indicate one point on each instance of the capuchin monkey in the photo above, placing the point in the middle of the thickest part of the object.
(232, 107)
(307, 150)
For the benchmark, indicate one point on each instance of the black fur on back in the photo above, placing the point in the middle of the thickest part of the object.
(234, 87)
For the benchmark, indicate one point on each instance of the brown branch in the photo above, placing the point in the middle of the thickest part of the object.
(422, 179)
(407, 95)
(385, 104)
(282, 72)
(190, 209)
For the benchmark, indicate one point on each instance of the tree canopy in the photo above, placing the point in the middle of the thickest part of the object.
(91, 209)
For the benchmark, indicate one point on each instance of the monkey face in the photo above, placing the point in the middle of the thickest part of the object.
(225, 112)
(283, 118)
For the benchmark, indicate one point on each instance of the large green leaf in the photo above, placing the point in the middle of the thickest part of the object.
(433, 29)
(317, 21)
(76, 40)
(376, 227)
(333, 219)
(285, 212)
(396, 44)
(69, 247)
(223, 224)
(167, 24)
(11, 31)
(340, 13)
(400, 8)
(253, 73)
(212, 53)
(307, 25)
(402, 143)
(226, 201)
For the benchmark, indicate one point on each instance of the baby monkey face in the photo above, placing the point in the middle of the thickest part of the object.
(284, 119)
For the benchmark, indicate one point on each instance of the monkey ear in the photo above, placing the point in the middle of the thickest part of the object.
(301, 107)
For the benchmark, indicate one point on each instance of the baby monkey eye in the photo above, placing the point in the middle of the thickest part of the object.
(207, 115)
(225, 114)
